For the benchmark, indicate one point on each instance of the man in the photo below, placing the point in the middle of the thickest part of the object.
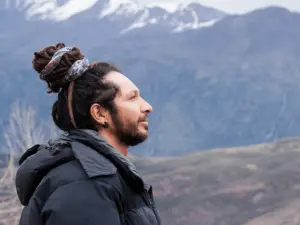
(84, 177)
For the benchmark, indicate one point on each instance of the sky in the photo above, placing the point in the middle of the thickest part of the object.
(237, 6)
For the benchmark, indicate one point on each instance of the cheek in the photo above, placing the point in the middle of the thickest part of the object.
(130, 113)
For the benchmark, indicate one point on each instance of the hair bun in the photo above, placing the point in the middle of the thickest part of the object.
(56, 78)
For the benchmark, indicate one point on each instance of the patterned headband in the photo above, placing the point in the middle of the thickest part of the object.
(75, 71)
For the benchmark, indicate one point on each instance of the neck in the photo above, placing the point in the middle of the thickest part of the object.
(114, 141)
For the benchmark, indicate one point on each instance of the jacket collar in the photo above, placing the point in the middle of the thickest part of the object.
(99, 158)
(92, 162)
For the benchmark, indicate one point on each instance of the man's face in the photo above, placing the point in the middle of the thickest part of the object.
(130, 123)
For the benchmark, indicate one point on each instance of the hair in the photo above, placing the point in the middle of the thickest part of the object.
(89, 88)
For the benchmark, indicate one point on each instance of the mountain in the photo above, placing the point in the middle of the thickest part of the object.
(232, 83)
(127, 13)
(254, 185)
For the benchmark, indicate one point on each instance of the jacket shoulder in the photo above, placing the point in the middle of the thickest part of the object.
(69, 173)
(57, 177)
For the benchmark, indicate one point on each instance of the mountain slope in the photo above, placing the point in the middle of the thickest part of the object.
(253, 185)
(231, 84)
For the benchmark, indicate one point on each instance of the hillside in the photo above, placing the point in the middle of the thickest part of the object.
(255, 185)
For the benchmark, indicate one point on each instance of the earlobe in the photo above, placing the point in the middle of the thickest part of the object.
(105, 125)
(98, 114)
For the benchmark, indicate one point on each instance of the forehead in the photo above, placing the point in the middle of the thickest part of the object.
(123, 82)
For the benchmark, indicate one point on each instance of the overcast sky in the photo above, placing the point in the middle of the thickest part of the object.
(238, 6)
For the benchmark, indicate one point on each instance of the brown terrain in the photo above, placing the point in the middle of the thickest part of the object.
(255, 185)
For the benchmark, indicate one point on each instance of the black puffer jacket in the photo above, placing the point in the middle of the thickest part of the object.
(79, 179)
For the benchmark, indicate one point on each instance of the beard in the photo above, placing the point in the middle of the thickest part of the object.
(129, 134)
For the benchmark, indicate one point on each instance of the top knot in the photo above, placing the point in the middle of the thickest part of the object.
(56, 65)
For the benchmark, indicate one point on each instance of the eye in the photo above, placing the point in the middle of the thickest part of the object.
(133, 97)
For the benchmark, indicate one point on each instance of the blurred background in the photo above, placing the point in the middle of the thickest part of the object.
(223, 78)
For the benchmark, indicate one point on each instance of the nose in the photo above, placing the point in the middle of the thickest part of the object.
(146, 107)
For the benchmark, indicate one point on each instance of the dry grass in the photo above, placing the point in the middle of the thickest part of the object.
(21, 133)
(239, 186)
(248, 186)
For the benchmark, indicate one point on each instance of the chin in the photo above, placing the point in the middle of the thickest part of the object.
(144, 126)
(144, 132)
(138, 140)
(143, 135)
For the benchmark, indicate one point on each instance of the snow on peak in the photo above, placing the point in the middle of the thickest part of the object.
(140, 22)
(172, 6)
(185, 17)
(194, 25)
(56, 10)
(71, 8)
(50, 9)
(120, 7)
(177, 16)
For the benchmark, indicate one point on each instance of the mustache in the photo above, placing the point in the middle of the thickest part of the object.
(143, 119)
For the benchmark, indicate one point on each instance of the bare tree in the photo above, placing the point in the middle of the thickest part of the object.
(22, 132)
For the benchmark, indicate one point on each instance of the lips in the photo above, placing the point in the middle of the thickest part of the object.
(144, 124)
(144, 120)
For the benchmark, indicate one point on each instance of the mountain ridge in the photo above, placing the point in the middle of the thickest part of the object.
(136, 14)
(231, 84)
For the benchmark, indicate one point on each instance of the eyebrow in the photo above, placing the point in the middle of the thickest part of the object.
(135, 91)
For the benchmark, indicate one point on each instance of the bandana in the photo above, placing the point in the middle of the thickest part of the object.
(75, 71)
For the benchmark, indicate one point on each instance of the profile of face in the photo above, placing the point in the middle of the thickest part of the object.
(130, 122)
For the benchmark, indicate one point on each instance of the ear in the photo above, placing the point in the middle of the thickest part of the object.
(99, 114)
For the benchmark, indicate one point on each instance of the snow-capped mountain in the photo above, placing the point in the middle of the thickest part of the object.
(130, 13)
(231, 84)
